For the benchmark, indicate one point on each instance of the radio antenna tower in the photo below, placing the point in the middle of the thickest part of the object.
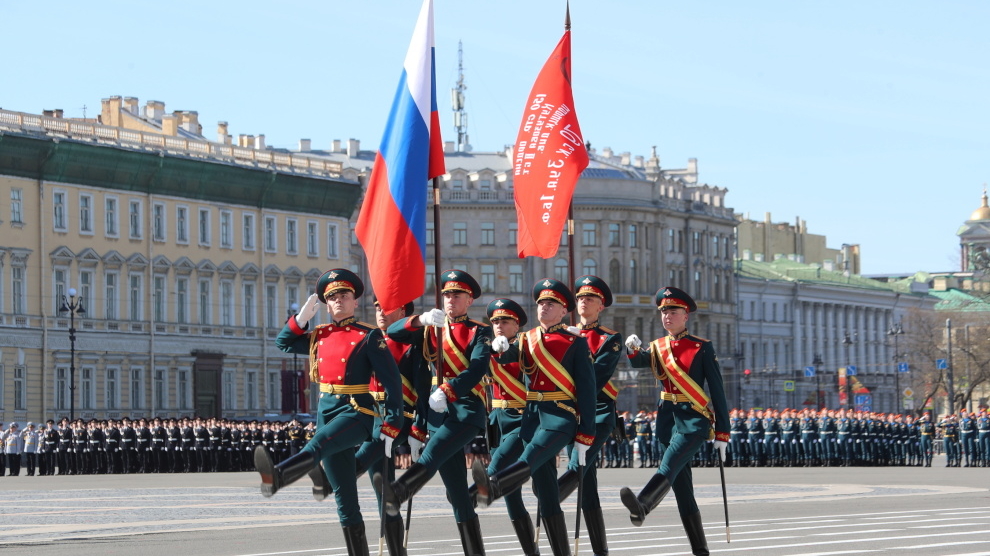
(457, 103)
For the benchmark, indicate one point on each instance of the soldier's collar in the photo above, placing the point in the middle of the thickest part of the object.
(554, 328)
(678, 336)
(345, 322)
(589, 326)
(461, 318)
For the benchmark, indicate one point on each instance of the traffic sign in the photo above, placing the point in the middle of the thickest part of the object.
(809, 371)
(788, 386)
(908, 393)
(851, 370)
(941, 364)
(902, 367)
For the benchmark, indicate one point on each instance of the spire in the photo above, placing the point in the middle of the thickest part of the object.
(457, 98)
(982, 213)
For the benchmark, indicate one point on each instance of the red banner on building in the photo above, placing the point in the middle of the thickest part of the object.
(548, 157)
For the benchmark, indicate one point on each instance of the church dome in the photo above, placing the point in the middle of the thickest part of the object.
(982, 213)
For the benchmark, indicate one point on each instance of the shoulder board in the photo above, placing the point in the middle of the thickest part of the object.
(478, 323)
(365, 325)
(607, 330)
(699, 338)
(319, 326)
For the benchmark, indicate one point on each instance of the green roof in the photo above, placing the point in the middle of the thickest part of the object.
(958, 300)
(159, 173)
(791, 271)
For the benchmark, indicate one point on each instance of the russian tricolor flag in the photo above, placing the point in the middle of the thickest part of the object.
(392, 223)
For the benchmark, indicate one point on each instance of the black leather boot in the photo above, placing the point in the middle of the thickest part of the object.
(471, 540)
(567, 483)
(274, 477)
(404, 487)
(394, 535)
(596, 531)
(491, 488)
(557, 535)
(527, 536)
(649, 497)
(695, 533)
(357, 542)
(321, 486)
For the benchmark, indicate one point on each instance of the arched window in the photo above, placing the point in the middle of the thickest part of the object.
(560, 270)
(615, 275)
(590, 267)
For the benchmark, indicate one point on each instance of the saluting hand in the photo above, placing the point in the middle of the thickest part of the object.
(308, 310)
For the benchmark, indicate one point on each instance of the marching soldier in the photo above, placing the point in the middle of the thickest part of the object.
(983, 437)
(737, 436)
(927, 431)
(457, 404)
(343, 354)
(809, 438)
(113, 458)
(50, 443)
(128, 446)
(789, 438)
(686, 418)
(771, 437)
(950, 440)
(644, 439)
(560, 408)
(967, 437)
(757, 448)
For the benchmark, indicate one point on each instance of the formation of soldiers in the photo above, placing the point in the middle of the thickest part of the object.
(186, 445)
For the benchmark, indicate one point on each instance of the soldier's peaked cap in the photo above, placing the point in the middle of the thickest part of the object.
(669, 296)
(506, 308)
(548, 288)
(593, 285)
(459, 281)
(338, 279)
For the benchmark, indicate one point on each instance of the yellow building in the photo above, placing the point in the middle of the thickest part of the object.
(185, 256)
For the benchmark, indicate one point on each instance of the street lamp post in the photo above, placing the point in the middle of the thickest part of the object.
(948, 371)
(293, 309)
(817, 363)
(847, 341)
(896, 330)
(72, 305)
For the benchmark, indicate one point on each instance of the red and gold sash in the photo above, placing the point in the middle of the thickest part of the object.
(409, 396)
(611, 390)
(455, 359)
(663, 355)
(508, 383)
(548, 364)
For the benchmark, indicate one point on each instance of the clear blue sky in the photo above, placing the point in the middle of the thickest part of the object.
(869, 120)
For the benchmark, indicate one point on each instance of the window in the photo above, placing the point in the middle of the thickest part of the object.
(633, 235)
(86, 289)
(182, 300)
(228, 391)
(251, 390)
(487, 233)
(485, 185)
(332, 241)
(515, 278)
(716, 288)
(614, 235)
(137, 388)
(697, 281)
(291, 295)
(429, 233)
(110, 212)
(62, 387)
(247, 303)
(16, 204)
(714, 252)
(312, 239)
(20, 388)
(680, 241)
(487, 278)
(136, 296)
(17, 289)
(514, 233)
(112, 392)
(204, 302)
(160, 389)
(291, 241)
(204, 226)
(110, 307)
(696, 243)
(158, 222)
(560, 270)
(183, 390)
(248, 227)
(271, 310)
(159, 300)
(589, 234)
(353, 234)
(85, 214)
(58, 217)
(270, 235)
(226, 229)
(274, 391)
(671, 240)
(460, 233)
(615, 275)
(457, 184)
(86, 388)
(590, 267)
(633, 277)
(60, 290)
(226, 303)
(182, 224)
(134, 217)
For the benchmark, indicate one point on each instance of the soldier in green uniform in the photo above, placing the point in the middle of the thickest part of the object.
(687, 417)
(560, 407)
(593, 296)
(343, 356)
(927, 433)
(457, 404)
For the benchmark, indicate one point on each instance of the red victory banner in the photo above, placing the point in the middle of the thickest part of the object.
(549, 156)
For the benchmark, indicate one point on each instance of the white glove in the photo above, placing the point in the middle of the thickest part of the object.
(720, 447)
(581, 453)
(633, 342)
(308, 310)
(388, 444)
(574, 330)
(500, 344)
(433, 317)
(438, 401)
(415, 447)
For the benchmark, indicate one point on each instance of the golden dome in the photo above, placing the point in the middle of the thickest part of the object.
(982, 213)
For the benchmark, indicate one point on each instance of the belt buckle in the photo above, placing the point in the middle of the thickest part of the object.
(539, 396)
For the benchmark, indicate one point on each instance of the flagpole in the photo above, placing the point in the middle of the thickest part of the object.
(436, 273)
(570, 207)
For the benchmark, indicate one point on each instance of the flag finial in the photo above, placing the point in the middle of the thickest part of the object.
(567, 18)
